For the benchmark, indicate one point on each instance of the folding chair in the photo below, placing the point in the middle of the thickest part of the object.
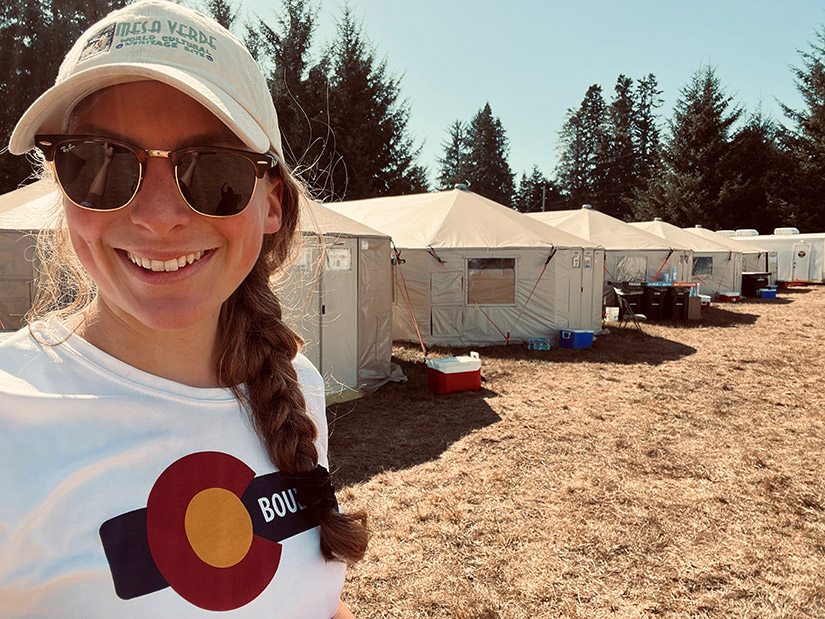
(626, 311)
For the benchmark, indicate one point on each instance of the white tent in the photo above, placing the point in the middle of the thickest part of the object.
(800, 258)
(23, 212)
(755, 259)
(338, 296)
(631, 254)
(473, 272)
(716, 268)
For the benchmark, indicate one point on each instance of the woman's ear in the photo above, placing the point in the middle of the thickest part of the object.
(272, 221)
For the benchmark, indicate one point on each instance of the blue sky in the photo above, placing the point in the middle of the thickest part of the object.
(534, 60)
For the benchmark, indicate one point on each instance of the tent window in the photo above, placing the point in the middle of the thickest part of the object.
(492, 281)
(631, 269)
(703, 266)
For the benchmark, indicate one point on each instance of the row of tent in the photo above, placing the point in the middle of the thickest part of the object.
(450, 268)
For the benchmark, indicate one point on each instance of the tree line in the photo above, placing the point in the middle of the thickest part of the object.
(711, 163)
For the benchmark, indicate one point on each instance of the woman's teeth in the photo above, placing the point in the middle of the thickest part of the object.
(165, 265)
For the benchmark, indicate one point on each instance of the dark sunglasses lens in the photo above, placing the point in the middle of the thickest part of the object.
(97, 175)
(219, 184)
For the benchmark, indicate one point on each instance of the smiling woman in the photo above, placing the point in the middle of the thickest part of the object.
(133, 485)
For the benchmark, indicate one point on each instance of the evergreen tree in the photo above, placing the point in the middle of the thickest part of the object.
(370, 154)
(807, 141)
(299, 88)
(693, 187)
(573, 162)
(489, 171)
(454, 166)
(765, 173)
(343, 123)
(621, 162)
(645, 125)
(582, 169)
(537, 193)
(35, 36)
(222, 12)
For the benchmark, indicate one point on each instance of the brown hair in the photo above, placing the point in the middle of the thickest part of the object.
(253, 356)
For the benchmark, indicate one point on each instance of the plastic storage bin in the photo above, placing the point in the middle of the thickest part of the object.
(753, 281)
(454, 374)
(653, 301)
(575, 338)
(676, 307)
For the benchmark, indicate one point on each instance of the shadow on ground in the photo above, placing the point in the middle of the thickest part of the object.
(401, 425)
(624, 344)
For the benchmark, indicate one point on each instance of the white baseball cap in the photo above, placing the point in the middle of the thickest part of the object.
(163, 41)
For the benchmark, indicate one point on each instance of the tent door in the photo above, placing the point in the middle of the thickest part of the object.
(339, 316)
(575, 297)
(801, 262)
(587, 286)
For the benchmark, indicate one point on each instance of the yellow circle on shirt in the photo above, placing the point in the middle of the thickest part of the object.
(218, 527)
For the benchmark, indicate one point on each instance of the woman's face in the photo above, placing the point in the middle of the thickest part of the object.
(158, 225)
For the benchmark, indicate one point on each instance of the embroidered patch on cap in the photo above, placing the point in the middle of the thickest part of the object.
(99, 43)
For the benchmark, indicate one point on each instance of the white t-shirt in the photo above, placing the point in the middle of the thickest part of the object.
(123, 494)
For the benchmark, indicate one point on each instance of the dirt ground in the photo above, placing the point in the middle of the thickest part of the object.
(672, 473)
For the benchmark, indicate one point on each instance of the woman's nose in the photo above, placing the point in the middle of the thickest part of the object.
(159, 206)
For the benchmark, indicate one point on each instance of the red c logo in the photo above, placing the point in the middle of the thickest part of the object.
(200, 534)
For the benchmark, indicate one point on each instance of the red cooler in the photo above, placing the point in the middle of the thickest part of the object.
(454, 374)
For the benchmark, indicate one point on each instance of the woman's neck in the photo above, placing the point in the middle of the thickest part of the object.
(183, 355)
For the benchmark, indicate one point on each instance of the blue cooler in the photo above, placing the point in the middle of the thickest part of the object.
(575, 338)
(766, 293)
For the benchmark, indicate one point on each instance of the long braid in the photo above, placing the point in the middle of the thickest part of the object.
(254, 358)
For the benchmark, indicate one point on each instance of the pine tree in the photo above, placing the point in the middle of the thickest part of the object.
(621, 161)
(370, 153)
(807, 141)
(298, 86)
(693, 186)
(454, 166)
(489, 172)
(584, 143)
(646, 126)
(537, 193)
(35, 36)
(766, 173)
(222, 12)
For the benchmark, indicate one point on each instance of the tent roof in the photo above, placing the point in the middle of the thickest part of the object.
(451, 219)
(604, 230)
(11, 200)
(29, 208)
(318, 219)
(729, 242)
(677, 235)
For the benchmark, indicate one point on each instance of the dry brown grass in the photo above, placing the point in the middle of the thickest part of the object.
(676, 473)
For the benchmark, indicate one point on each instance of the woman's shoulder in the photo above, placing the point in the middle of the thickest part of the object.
(17, 348)
(308, 375)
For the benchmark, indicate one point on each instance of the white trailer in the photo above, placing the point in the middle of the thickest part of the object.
(800, 258)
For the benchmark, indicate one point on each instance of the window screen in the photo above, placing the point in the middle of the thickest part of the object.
(703, 266)
(631, 269)
(491, 281)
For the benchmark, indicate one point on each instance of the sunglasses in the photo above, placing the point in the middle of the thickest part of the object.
(101, 174)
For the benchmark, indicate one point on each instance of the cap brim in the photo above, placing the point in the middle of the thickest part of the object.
(50, 112)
